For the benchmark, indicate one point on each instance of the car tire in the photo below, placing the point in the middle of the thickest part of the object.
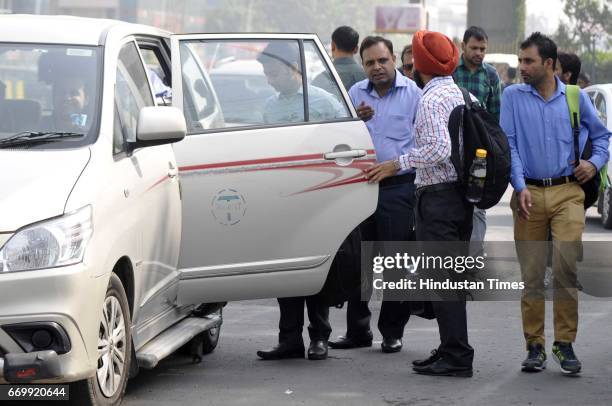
(600, 200)
(203, 343)
(210, 338)
(104, 389)
(606, 209)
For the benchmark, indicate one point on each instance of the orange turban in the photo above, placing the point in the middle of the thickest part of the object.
(434, 53)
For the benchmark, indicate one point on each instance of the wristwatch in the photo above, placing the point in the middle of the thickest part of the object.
(396, 164)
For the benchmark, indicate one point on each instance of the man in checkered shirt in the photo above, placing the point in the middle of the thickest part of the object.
(442, 212)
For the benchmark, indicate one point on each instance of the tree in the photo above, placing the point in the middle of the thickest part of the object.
(590, 25)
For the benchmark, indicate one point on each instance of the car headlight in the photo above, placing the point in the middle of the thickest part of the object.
(49, 244)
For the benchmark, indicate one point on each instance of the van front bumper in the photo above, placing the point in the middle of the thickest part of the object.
(66, 302)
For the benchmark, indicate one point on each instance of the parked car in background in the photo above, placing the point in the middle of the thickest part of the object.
(601, 96)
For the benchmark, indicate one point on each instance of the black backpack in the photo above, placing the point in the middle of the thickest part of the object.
(480, 130)
(344, 275)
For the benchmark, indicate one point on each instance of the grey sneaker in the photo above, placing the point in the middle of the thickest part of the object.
(564, 355)
(536, 358)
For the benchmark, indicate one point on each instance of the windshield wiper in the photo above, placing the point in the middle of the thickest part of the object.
(27, 137)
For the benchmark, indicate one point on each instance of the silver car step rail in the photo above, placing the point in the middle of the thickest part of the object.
(175, 337)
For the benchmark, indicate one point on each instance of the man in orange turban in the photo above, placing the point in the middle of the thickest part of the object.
(442, 212)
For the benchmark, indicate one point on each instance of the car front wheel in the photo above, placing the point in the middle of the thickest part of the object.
(107, 386)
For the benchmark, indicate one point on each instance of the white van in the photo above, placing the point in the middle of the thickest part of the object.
(119, 239)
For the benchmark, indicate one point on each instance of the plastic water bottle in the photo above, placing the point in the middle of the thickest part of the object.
(478, 173)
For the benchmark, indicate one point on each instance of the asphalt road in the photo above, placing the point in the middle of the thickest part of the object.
(233, 375)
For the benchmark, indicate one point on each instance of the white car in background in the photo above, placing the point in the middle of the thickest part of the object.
(125, 225)
(601, 96)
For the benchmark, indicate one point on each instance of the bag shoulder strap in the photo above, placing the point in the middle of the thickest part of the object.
(467, 99)
(491, 74)
(572, 96)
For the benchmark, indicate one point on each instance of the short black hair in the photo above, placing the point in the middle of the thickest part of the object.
(570, 63)
(345, 38)
(371, 40)
(407, 50)
(475, 32)
(511, 73)
(285, 52)
(546, 46)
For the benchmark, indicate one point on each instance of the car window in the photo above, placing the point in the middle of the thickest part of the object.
(591, 95)
(159, 77)
(320, 76)
(600, 105)
(132, 92)
(258, 82)
(198, 99)
(49, 88)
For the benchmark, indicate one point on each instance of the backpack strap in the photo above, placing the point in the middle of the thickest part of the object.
(466, 98)
(491, 74)
(455, 124)
(572, 96)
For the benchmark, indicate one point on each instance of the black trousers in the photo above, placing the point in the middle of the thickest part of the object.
(445, 215)
(393, 220)
(292, 319)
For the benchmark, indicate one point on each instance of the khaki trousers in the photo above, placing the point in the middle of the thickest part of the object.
(562, 208)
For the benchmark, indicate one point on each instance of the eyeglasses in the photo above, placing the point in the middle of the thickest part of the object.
(407, 66)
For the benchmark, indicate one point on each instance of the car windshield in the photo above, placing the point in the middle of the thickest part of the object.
(49, 89)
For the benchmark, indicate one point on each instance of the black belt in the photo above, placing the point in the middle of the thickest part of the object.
(438, 187)
(398, 179)
(551, 181)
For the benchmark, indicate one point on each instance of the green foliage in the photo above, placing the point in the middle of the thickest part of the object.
(589, 29)
(589, 25)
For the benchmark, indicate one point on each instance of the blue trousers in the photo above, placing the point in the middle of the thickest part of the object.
(393, 220)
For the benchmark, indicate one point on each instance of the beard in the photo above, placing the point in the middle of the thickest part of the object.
(418, 79)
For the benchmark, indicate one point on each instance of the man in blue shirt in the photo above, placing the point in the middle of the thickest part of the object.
(535, 117)
(387, 102)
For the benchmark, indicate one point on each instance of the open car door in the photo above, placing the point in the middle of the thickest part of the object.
(271, 168)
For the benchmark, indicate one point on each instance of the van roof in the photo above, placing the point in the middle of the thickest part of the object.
(54, 29)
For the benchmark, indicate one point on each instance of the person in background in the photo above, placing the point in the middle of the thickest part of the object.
(510, 77)
(407, 62)
(584, 80)
(281, 65)
(345, 44)
(387, 103)
(481, 80)
(568, 68)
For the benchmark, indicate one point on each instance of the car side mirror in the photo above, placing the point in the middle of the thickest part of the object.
(158, 125)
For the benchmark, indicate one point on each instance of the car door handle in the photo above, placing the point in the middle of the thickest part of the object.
(173, 171)
(353, 153)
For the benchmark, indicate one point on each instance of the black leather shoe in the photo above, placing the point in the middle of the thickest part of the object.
(282, 351)
(317, 350)
(442, 368)
(423, 362)
(389, 345)
(345, 343)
